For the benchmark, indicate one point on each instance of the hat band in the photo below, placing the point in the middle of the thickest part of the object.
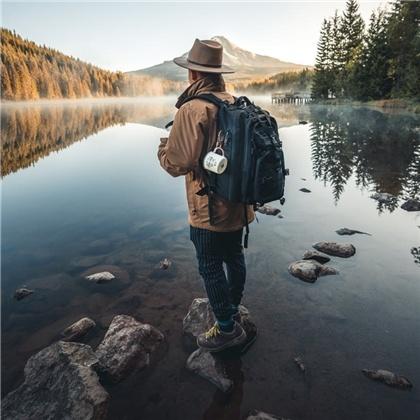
(205, 65)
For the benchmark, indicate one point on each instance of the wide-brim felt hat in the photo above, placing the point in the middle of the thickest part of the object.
(205, 55)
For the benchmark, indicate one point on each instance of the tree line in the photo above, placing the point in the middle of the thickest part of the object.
(378, 61)
(291, 80)
(31, 71)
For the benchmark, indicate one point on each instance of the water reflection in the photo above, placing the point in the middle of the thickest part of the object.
(33, 131)
(381, 150)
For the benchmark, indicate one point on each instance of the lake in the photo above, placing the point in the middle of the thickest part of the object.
(82, 187)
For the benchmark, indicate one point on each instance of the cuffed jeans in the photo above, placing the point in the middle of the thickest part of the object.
(213, 249)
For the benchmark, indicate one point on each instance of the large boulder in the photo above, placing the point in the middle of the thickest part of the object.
(200, 318)
(213, 367)
(127, 346)
(310, 270)
(60, 383)
(336, 249)
(210, 367)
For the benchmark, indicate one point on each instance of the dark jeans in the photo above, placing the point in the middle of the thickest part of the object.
(213, 249)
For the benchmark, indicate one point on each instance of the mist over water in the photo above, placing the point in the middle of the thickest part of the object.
(82, 187)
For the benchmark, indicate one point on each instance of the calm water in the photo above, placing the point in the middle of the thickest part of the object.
(82, 187)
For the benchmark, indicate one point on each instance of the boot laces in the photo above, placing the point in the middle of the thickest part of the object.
(213, 331)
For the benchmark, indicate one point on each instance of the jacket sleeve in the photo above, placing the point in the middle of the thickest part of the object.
(181, 153)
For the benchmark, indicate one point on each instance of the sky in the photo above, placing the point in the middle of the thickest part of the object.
(132, 35)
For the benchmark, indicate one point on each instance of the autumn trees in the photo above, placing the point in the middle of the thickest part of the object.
(30, 71)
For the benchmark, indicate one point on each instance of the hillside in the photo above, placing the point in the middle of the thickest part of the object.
(248, 65)
(30, 71)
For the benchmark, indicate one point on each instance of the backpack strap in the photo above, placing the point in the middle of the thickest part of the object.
(206, 96)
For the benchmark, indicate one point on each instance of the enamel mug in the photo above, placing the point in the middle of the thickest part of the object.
(215, 161)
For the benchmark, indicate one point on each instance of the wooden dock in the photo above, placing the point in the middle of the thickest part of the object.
(290, 98)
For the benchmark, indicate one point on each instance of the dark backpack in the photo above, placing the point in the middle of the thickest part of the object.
(255, 172)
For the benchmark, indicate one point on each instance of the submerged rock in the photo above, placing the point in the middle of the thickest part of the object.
(102, 277)
(411, 205)
(305, 190)
(127, 346)
(165, 264)
(310, 270)
(299, 363)
(261, 415)
(315, 255)
(384, 198)
(60, 383)
(200, 318)
(22, 293)
(209, 367)
(78, 329)
(346, 231)
(336, 249)
(268, 210)
(389, 378)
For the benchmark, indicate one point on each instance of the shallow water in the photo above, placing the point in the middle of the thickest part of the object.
(82, 187)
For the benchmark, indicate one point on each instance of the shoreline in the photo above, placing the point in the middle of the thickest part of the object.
(398, 105)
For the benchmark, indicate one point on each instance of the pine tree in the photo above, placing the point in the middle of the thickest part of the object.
(352, 31)
(321, 82)
(404, 43)
(371, 74)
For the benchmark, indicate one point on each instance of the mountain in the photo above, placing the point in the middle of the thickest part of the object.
(248, 65)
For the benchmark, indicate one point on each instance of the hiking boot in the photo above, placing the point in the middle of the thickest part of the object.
(215, 339)
(237, 317)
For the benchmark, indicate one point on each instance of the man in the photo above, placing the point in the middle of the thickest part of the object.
(218, 239)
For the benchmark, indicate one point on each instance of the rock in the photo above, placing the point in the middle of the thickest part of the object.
(388, 378)
(22, 293)
(200, 318)
(303, 179)
(336, 249)
(119, 273)
(411, 205)
(209, 367)
(127, 346)
(310, 270)
(299, 362)
(315, 255)
(165, 264)
(303, 122)
(384, 198)
(415, 252)
(346, 231)
(60, 383)
(305, 190)
(260, 415)
(280, 216)
(268, 210)
(102, 277)
(78, 329)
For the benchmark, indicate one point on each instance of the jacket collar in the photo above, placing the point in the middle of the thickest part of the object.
(205, 84)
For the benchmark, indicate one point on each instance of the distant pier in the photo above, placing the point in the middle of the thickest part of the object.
(290, 98)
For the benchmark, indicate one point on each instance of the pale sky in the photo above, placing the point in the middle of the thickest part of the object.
(132, 35)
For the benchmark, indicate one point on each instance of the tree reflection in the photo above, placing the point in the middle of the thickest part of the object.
(381, 150)
(32, 132)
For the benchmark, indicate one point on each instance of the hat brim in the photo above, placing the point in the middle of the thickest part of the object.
(183, 62)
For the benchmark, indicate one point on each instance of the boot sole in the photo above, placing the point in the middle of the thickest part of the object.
(240, 339)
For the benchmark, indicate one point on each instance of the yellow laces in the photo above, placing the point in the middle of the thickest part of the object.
(213, 331)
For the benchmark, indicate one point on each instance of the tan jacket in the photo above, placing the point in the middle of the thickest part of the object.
(182, 154)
